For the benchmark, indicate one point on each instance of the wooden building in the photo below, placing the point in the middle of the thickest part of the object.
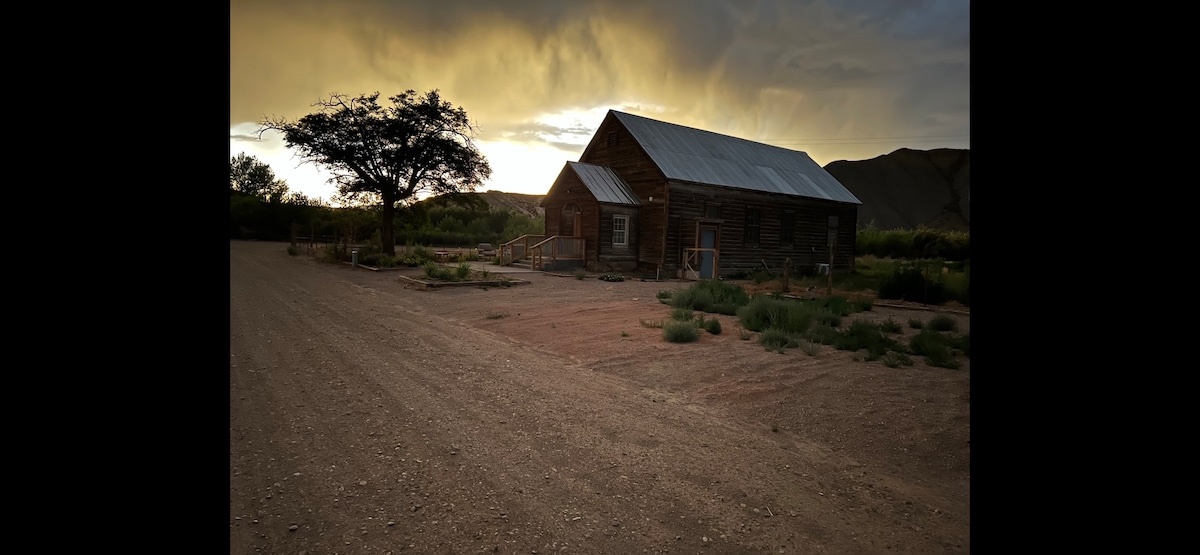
(657, 198)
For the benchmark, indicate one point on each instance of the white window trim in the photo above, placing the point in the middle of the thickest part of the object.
(624, 231)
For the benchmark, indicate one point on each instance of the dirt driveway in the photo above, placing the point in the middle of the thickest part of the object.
(367, 417)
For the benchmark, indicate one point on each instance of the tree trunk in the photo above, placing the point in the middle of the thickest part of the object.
(386, 231)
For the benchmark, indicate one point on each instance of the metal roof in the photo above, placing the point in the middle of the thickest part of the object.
(688, 154)
(605, 184)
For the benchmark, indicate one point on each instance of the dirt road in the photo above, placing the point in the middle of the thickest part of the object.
(366, 417)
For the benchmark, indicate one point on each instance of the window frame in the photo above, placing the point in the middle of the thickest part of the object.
(624, 230)
(752, 226)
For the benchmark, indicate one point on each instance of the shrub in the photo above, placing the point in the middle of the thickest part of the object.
(764, 312)
(915, 323)
(829, 318)
(823, 334)
(580, 273)
(664, 294)
(896, 359)
(682, 314)
(942, 322)
(292, 250)
(713, 326)
(810, 347)
(909, 283)
(890, 326)
(932, 345)
(612, 277)
(681, 332)
(865, 335)
(728, 309)
(462, 270)
(962, 343)
(711, 295)
(777, 340)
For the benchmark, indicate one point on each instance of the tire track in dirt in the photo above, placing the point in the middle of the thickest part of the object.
(469, 442)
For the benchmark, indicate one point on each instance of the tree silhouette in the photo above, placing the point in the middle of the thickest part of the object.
(387, 155)
(248, 175)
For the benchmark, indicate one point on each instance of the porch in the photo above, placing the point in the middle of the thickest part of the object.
(545, 254)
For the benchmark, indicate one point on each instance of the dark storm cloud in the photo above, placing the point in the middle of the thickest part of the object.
(839, 72)
(759, 69)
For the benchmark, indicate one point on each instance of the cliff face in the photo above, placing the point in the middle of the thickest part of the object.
(908, 188)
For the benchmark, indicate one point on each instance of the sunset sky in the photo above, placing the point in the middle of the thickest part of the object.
(840, 80)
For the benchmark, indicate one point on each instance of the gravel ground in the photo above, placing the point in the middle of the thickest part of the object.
(367, 416)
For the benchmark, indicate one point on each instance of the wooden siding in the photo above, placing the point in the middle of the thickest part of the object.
(632, 163)
(688, 202)
(613, 258)
(568, 189)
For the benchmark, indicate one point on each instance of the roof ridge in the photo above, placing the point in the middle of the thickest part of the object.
(723, 135)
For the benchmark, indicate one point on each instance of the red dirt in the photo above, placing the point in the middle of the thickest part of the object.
(545, 417)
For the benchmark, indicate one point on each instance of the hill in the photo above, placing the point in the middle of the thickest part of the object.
(909, 188)
(516, 202)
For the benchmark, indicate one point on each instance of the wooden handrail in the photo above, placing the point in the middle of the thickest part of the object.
(537, 255)
(506, 250)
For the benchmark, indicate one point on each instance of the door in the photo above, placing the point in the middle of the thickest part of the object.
(708, 240)
(570, 225)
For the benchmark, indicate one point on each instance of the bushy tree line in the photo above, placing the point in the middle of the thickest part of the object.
(420, 224)
(913, 243)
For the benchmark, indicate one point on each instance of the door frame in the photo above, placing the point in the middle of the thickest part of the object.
(701, 227)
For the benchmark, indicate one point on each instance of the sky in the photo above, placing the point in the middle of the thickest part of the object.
(839, 80)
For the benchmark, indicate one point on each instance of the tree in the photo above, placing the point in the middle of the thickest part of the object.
(248, 175)
(387, 155)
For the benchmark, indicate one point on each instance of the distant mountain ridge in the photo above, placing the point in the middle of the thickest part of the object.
(516, 202)
(909, 188)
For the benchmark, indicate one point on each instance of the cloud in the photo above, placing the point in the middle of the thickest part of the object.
(766, 69)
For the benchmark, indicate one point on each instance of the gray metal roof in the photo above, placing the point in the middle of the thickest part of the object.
(605, 184)
(688, 154)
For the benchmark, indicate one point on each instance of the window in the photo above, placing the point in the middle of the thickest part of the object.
(620, 232)
(712, 210)
(753, 222)
(612, 139)
(787, 228)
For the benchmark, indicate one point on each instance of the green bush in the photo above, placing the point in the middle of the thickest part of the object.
(611, 277)
(677, 331)
(909, 283)
(890, 326)
(763, 312)
(865, 335)
(580, 273)
(896, 359)
(462, 270)
(942, 322)
(713, 326)
(777, 340)
(711, 295)
(682, 314)
(823, 334)
(933, 346)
